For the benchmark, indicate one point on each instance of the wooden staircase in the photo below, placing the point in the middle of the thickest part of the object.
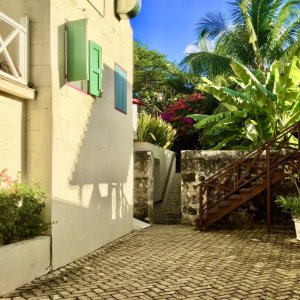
(248, 176)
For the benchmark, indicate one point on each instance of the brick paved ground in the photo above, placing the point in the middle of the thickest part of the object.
(177, 262)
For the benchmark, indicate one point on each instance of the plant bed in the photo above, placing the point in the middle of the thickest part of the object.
(23, 261)
(25, 253)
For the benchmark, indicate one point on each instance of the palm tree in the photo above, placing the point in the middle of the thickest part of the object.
(258, 32)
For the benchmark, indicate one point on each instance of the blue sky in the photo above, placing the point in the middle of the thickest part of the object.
(169, 25)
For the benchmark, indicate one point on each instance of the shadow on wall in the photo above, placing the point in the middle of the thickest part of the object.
(91, 204)
(104, 152)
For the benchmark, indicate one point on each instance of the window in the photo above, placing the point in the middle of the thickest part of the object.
(84, 61)
(120, 89)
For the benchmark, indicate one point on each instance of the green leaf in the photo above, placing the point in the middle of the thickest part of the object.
(217, 117)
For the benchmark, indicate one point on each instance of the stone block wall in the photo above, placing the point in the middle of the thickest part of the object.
(197, 163)
(194, 164)
(143, 185)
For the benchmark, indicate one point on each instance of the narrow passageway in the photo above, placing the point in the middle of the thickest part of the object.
(177, 262)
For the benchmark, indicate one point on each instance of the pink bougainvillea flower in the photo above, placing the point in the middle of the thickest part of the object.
(188, 120)
(166, 116)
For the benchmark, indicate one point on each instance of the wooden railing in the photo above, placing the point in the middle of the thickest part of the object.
(14, 65)
(254, 167)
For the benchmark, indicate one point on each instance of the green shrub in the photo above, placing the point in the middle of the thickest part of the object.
(21, 209)
(155, 131)
(290, 204)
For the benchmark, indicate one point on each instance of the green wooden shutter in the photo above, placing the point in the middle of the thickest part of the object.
(76, 50)
(120, 89)
(95, 69)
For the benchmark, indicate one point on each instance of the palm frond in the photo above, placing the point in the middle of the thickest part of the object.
(236, 13)
(212, 25)
(206, 64)
(262, 17)
(289, 13)
(285, 40)
(236, 44)
(249, 26)
(292, 50)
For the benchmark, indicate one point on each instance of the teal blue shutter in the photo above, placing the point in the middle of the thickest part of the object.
(76, 50)
(120, 89)
(95, 69)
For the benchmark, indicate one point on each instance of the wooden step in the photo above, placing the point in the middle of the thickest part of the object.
(213, 210)
(257, 183)
(240, 199)
(234, 197)
(245, 190)
(224, 203)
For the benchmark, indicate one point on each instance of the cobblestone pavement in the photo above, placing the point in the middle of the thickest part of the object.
(177, 262)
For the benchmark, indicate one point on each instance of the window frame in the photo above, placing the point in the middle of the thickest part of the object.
(115, 89)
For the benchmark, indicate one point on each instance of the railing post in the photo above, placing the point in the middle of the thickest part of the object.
(268, 200)
(201, 192)
(201, 208)
(235, 176)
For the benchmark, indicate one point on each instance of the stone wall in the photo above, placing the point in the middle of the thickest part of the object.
(194, 164)
(143, 185)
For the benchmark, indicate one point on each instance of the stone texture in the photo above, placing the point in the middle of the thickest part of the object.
(197, 165)
(177, 262)
(194, 165)
(143, 185)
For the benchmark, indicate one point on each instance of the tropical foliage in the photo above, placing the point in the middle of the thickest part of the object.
(21, 208)
(155, 131)
(257, 33)
(176, 113)
(260, 105)
(187, 136)
(158, 82)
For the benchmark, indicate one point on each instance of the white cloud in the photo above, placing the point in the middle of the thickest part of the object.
(191, 49)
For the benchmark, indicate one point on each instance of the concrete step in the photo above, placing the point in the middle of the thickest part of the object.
(176, 180)
(174, 197)
(171, 215)
(175, 208)
(173, 200)
(177, 176)
(170, 222)
(175, 190)
(175, 185)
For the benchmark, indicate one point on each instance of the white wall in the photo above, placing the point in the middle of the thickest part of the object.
(78, 147)
(165, 158)
(22, 262)
(37, 114)
(12, 127)
(92, 169)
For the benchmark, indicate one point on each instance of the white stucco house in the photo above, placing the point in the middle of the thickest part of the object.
(66, 114)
